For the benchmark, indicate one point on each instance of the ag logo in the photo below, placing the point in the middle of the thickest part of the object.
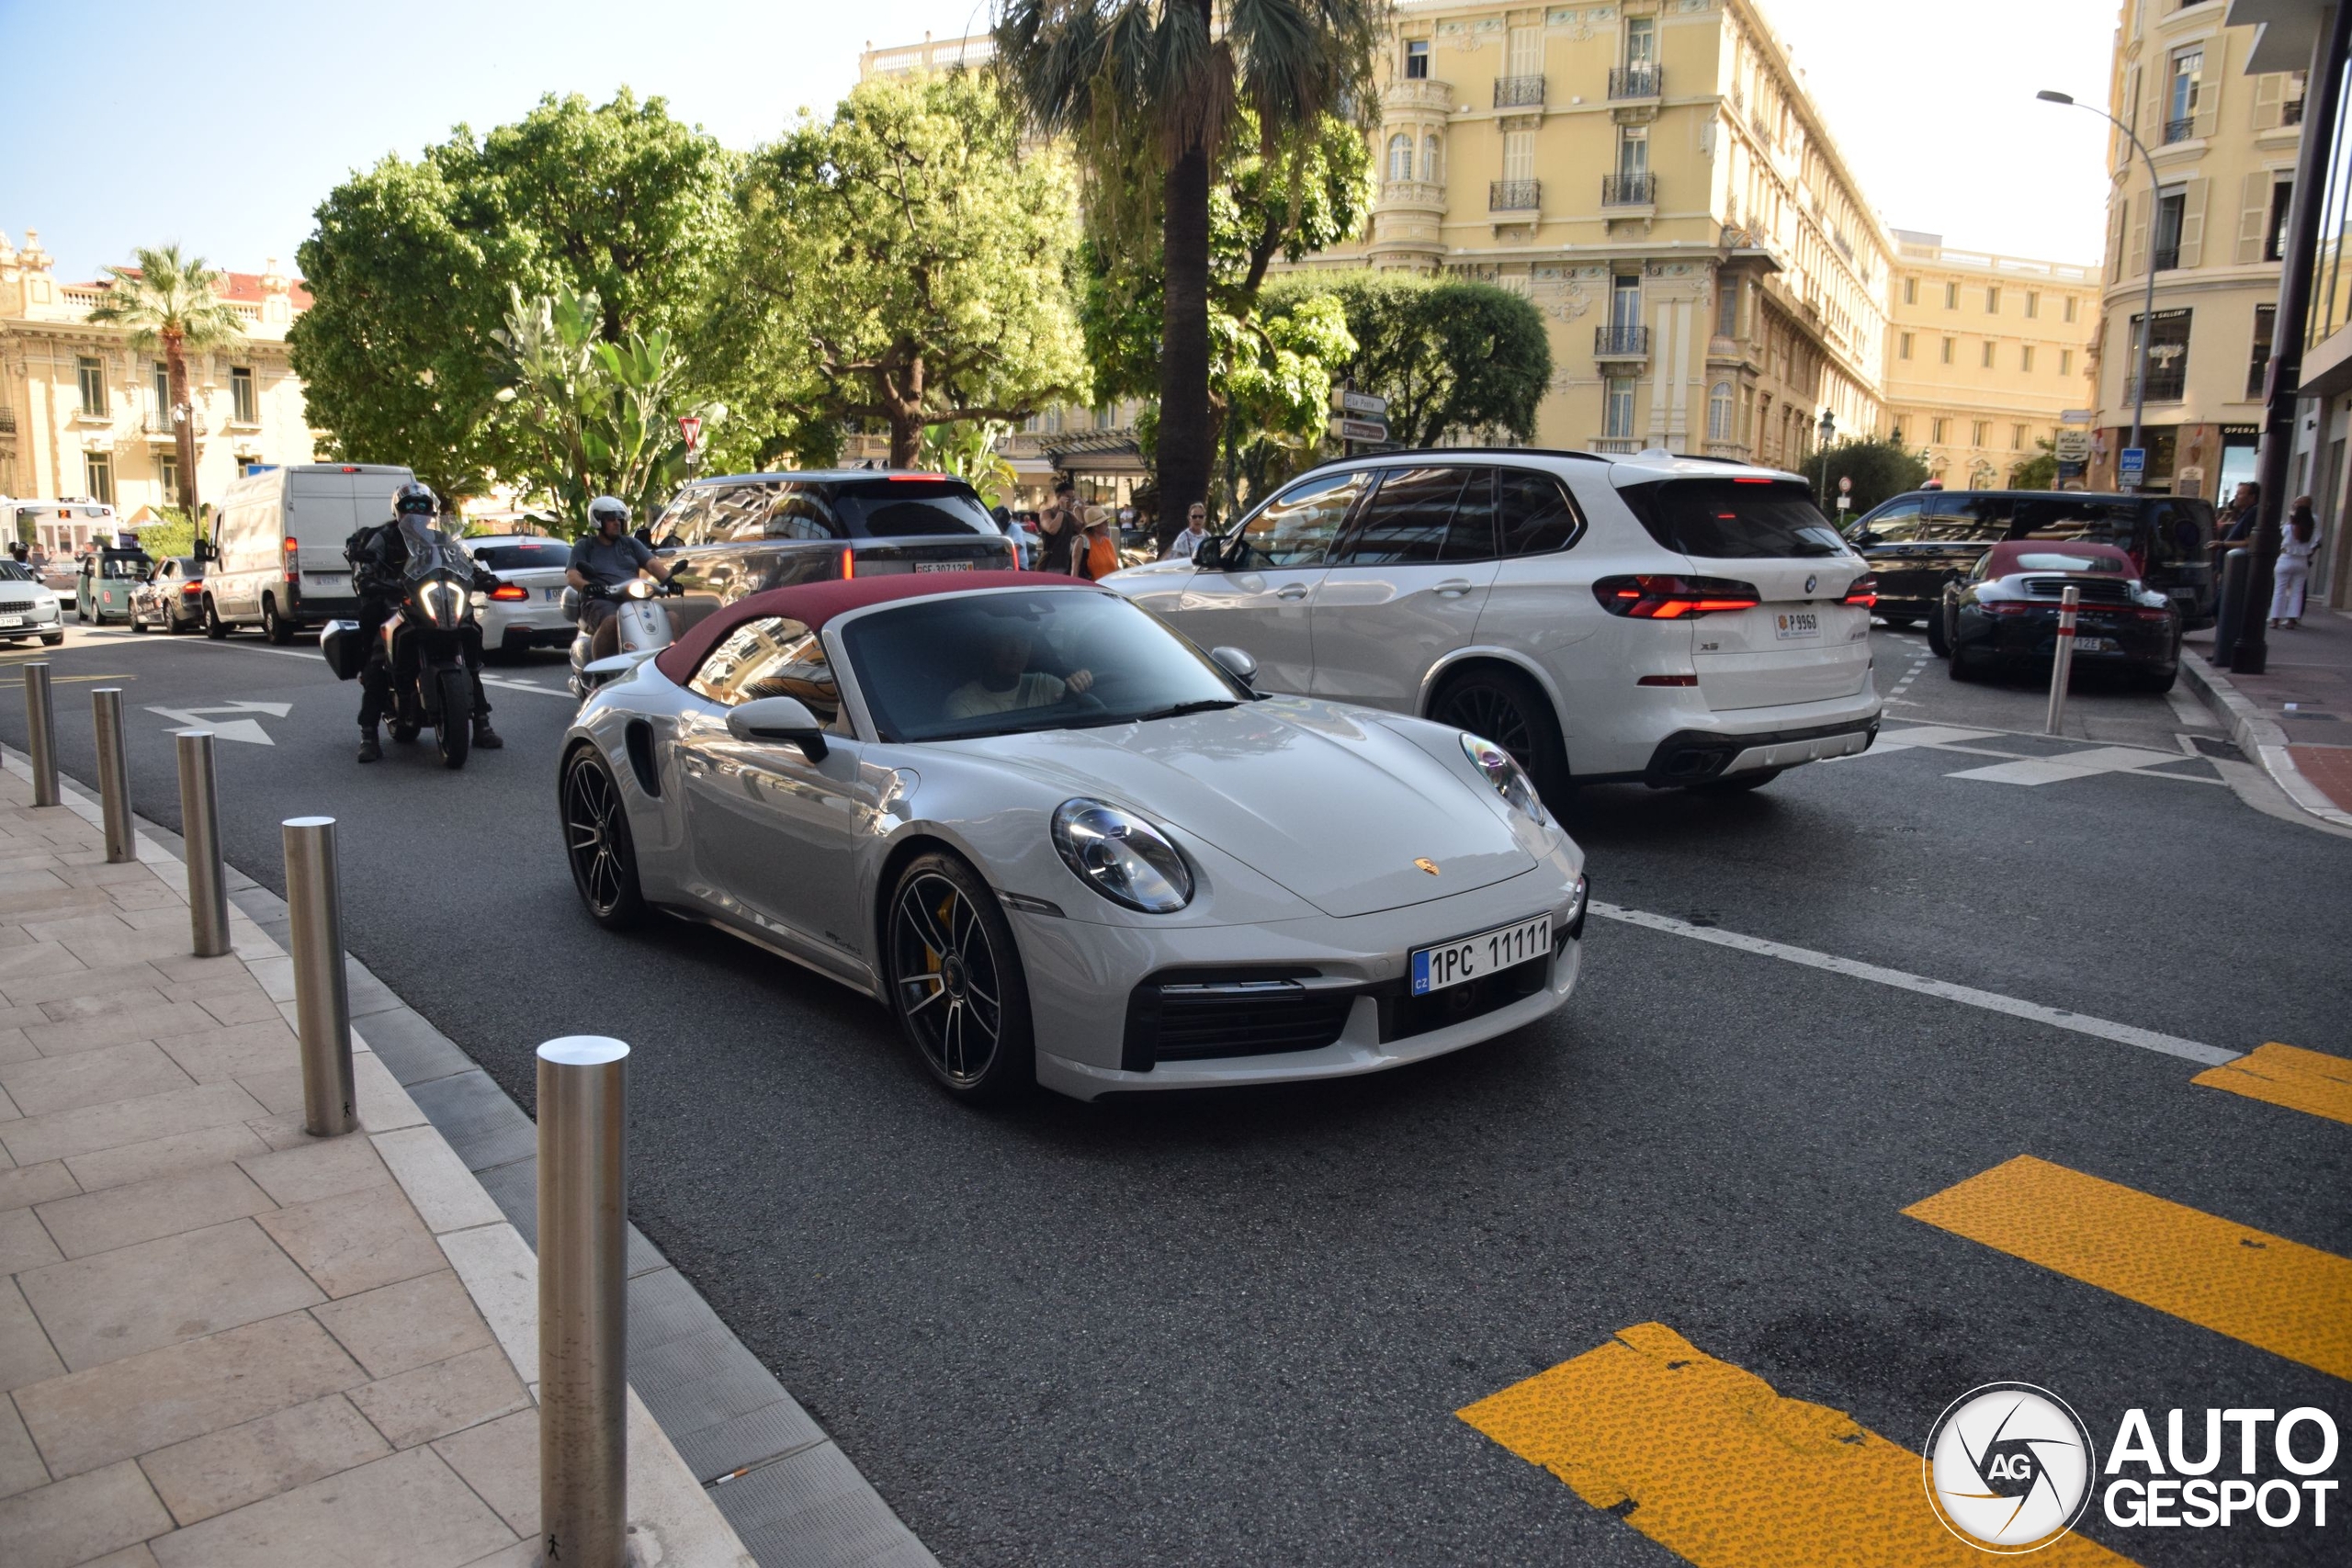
(2008, 1467)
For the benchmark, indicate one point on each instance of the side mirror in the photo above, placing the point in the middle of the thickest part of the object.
(1236, 662)
(779, 718)
(666, 546)
(1209, 554)
(204, 550)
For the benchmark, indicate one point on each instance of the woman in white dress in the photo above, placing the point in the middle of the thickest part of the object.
(2298, 543)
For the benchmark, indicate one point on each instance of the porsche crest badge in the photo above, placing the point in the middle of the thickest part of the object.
(1427, 865)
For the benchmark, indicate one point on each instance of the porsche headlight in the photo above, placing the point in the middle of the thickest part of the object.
(1503, 772)
(1123, 857)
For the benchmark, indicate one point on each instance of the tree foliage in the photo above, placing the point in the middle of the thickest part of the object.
(2039, 471)
(906, 263)
(591, 418)
(411, 265)
(1455, 359)
(1880, 468)
(172, 303)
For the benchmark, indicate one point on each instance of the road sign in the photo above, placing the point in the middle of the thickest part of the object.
(2079, 416)
(1845, 484)
(690, 426)
(2073, 445)
(1364, 403)
(245, 729)
(2132, 465)
(1359, 430)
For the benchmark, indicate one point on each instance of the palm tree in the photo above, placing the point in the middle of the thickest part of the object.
(1146, 90)
(171, 300)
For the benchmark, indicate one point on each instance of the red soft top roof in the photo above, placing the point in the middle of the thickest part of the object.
(814, 603)
(2005, 561)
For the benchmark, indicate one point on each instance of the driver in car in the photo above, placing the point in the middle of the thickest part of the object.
(1006, 682)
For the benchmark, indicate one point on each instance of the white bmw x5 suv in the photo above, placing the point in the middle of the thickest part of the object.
(1664, 620)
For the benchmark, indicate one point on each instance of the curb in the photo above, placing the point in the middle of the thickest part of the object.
(722, 1435)
(2260, 738)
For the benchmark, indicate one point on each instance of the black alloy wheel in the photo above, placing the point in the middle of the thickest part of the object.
(955, 981)
(597, 843)
(1507, 710)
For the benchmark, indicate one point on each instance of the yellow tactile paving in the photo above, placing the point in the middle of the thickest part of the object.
(2291, 1299)
(2310, 1081)
(1708, 1462)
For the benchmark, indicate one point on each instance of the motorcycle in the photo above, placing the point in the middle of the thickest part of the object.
(644, 626)
(431, 642)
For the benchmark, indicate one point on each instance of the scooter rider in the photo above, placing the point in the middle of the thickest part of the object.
(379, 557)
(605, 558)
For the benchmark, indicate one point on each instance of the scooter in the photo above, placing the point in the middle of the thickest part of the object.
(644, 626)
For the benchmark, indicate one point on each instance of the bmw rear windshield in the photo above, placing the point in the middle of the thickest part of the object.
(1731, 519)
(909, 508)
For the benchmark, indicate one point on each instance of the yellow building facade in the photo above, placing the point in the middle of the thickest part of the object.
(1652, 175)
(83, 415)
(2222, 142)
(1985, 356)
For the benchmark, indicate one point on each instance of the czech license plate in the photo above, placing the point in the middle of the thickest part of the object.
(12, 620)
(1451, 964)
(2093, 645)
(1789, 626)
(943, 566)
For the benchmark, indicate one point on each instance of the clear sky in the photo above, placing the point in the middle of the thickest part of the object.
(222, 129)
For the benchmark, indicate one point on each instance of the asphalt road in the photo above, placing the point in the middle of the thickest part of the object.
(1234, 1329)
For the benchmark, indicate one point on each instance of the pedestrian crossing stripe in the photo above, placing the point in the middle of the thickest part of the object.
(2310, 1082)
(2269, 1291)
(1709, 1462)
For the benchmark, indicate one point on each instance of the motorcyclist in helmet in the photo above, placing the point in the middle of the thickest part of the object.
(605, 558)
(379, 558)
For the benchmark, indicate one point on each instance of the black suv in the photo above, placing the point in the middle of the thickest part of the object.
(729, 536)
(1917, 542)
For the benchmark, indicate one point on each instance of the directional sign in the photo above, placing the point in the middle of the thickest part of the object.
(1364, 403)
(1360, 430)
(245, 729)
(2132, 465)
(2073, 445)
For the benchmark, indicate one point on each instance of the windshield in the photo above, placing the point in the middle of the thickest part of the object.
(134, 566)
(430, 550)
(10, 571)
(1733, 519)
(948, 668)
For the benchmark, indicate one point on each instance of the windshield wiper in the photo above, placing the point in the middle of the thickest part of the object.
(1205, 705)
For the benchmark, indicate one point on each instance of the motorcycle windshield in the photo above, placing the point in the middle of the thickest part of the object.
(433, 553)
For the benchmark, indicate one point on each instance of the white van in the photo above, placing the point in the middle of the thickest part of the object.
(275, 559)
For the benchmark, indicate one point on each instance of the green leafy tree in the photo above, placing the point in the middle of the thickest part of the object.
(1880, 466)
(1453, 358)
(1149, 93)
(172, 535)
(593, 418)
(971, 451)
(2039, 471)
(411, 265)
(172, 303)
(905, 263)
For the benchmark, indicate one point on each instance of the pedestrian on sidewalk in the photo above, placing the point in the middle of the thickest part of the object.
(2297, 546)
(1097, 554)
(1059, 529)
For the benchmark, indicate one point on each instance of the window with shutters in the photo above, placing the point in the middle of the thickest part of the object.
(2274, 234)
(97, 476)
(2071, 303)
(2025, 357)
(1992, 301)
(91, 380)
(2183, 90)
(1617, 407)
(1527, 52)
(1947, 353)
(2065, 362)
(1519, 155)
(2171, 207)
(163, 382)
(1988, 358)
(2032, 305)
(1952, 296)
(2016, 438)
(1904, 348)
(1939, 430)
(1910, 292)
(1981, 432)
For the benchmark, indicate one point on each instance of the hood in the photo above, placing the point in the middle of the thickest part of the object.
(1333, 806)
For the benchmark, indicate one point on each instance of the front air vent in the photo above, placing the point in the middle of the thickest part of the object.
(637, 741)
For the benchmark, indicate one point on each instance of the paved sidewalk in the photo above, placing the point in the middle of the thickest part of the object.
(2306, 747)
(224, 1342)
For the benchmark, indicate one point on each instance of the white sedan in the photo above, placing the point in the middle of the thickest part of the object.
(1065, 846)
(524, 611)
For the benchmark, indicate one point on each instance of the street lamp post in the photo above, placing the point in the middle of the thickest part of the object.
(2148, 309)
(1827, 429)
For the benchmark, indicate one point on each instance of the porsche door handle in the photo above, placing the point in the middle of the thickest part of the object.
(1453, 590)
(1290, 591)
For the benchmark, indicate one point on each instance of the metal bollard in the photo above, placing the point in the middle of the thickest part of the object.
(114, 775)
(321, 994)
(584, 1371)
(207, 891)
(41, 719)
(2061, 664)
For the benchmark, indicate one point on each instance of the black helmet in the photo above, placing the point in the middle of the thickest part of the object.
(605, 506)
(414, 497)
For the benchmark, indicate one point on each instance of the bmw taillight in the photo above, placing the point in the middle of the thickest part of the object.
(509, 592)
(1864, 593)
(1665, 597)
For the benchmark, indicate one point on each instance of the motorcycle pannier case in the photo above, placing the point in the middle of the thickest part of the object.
(345, 646)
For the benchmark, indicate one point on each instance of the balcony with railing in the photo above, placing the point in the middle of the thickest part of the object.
(1416, 196)
(1419, 93)
(160, 427)
(1518, 91)
(2166, 383)
(1615, 444)
(2179, 129)
(1514, 196)
(7, 422)
(2292, 112)
(1629, 190)
(1612, 342)
(1636, 82)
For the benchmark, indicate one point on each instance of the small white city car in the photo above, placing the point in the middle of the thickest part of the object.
(1064, 845)
(1663, 620)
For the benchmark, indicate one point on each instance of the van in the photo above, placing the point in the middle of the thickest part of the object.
(275, 559)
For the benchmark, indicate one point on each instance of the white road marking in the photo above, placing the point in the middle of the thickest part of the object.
(1991, 1001)
(245, 729)
(313, 655)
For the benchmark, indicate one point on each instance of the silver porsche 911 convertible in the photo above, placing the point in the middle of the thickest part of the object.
(1066, 847)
